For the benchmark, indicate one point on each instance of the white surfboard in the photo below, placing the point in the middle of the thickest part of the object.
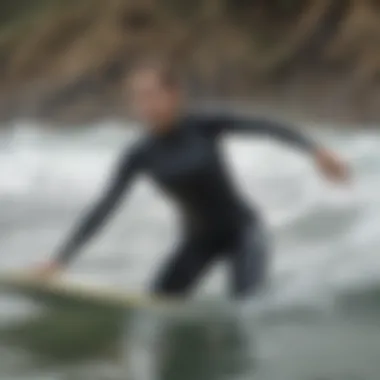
(60, 289)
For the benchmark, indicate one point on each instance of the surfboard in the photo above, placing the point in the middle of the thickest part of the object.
(63, 291)
(101, 316)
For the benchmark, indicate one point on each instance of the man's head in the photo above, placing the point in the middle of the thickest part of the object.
(155, 93)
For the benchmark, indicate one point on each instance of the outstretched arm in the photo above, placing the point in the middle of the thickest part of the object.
(263, 126)
(329, 164)
(101, 211)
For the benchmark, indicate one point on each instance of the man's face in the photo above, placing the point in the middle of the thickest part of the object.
(153, 101)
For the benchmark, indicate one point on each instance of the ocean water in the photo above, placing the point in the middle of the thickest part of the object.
(320, 317)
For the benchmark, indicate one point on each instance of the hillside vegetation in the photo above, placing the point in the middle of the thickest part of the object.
(65, 60)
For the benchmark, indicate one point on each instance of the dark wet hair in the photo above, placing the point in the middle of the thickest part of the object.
(167, 71)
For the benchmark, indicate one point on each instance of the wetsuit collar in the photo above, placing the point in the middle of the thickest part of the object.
(172, 131)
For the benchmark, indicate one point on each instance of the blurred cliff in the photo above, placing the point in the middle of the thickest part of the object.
(65, 60)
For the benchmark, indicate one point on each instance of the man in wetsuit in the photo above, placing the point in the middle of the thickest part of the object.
(182, 154)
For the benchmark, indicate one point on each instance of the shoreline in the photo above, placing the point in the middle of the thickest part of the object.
(66, 63)
(295, 116)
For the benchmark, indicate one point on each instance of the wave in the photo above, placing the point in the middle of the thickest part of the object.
(323, 236)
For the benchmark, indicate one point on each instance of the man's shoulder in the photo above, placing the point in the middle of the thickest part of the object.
(135, 153)
(199, 115)
(209, 122)
(204, 116)
(199, 120)
(140, 148)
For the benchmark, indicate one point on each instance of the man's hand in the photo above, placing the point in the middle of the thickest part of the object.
(331, 166)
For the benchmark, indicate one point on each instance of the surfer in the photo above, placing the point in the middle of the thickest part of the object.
(180, 151)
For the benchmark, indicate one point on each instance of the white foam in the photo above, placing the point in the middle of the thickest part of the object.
(72, 166)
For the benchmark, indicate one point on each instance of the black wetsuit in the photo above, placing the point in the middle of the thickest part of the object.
(187, 164)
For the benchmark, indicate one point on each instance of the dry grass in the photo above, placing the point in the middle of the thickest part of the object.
(68, 61)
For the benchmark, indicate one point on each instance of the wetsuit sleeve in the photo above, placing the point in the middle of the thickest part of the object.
(125, 171)
(263, 126)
